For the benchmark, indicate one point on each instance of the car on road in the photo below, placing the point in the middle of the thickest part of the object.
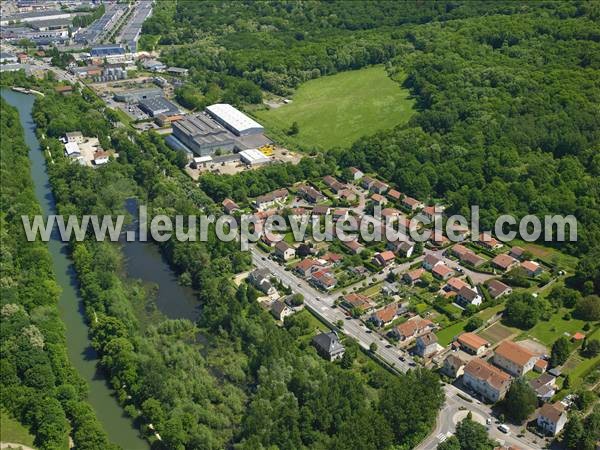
(402, 358)
(388, 346)
(263, 258)
(488, 421)
(504, 428)
(459, 270)
(369, 331)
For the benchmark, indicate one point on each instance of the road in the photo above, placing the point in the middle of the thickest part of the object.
(456, 408)
(323, 305)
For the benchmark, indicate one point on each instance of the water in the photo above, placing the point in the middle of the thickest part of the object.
(119, 427)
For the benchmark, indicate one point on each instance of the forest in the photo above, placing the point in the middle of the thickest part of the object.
(40, 388)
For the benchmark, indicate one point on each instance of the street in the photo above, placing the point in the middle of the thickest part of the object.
(323, 305)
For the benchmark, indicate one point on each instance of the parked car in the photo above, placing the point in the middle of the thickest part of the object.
(504, 428)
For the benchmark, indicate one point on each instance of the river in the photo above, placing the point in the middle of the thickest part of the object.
(143, 261)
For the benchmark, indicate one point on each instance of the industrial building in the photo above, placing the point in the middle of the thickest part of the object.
(253, 157)
(234, 120)
(102, 51)
(158, 105)
(203, 135)
(137, 95)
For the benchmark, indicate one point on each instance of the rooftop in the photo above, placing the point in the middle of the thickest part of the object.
(484, 371)
(234, 117)
(513, 352)
(472, 340)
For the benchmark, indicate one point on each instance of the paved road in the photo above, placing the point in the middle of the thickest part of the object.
(456, 408)
(323, 304)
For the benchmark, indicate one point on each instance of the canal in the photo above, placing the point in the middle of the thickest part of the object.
(143, 261)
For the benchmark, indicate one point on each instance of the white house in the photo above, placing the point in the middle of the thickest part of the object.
(72, 150)
(552, 418)
(514, 359)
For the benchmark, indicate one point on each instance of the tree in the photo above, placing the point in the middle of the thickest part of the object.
(588, 308)
(474, 323)
(450, 444)
(373, 347)
(520, 401)
(560, 352)
(592, 348)
(473, 435)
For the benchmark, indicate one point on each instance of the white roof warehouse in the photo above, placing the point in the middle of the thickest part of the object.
(234, 120)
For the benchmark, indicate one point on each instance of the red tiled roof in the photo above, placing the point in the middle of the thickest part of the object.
(504, 261)
(484, 371)
(472, 341)
(514, 352)
(412, 326)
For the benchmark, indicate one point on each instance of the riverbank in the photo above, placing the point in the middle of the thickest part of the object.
(119, 427)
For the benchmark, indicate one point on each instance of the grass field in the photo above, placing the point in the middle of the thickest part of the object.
(496, 333)
(550, 331)
(334, 111)
(13, 431)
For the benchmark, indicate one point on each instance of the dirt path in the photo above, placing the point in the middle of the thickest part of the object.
(9, 445)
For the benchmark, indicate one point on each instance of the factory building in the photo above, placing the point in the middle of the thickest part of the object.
(234, 120)
(202, 135)
(137, 95)
(107, 50)
(158, 105)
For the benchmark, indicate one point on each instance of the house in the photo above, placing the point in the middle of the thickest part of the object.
(391, 214)
(230, 206)
(411, 203)
(544, 387)
(320, 210)
(280, 310)
(455, 285)
(332, 258)
(486, 240)
(347, 194)
(431, 212)
(472, 344)
(401, 247)
(367, 182)
(356, 173)
(380, 187)
(427, 345)
(460, 251)
(413, 276)
(74, 136)
(310, 194)
(442, 271)
(412, 328)
(356, 301)
(284, 251)
(270, 239)
(516, 252)
(333, 184)
(271, 199)
(457, 231)
(540, 365)
(64, 90)
(532, 268)
(514, 358)
(329, 346)
(72, 150)
(260, 279)
(385, 315)
(101, 157)
(552, 418)
(298, 213)
(439, 240)
(473, 259)
(378, 199)
(354, 246)
(431, 261)
(488, 381)
(394, 195)
(453, 367)
(340, 214)
(578, 337)
(504, 262)
(498, 288)
(468, 296)
(384, 258)
(307, 267)
(323, 279)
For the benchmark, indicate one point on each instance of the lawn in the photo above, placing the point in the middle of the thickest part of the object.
(12, 431)
(336, 110)
(548, 254)
(549, 331)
